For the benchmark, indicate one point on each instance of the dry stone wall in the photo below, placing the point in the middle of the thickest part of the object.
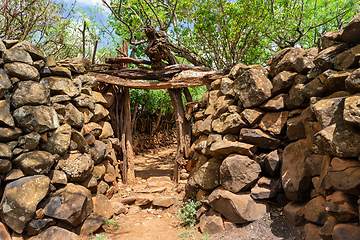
(289, 133)
(56, 144)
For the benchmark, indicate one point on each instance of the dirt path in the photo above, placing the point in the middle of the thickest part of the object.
(153, 171)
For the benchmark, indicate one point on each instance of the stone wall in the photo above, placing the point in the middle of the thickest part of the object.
(289, 133)
(56, 144)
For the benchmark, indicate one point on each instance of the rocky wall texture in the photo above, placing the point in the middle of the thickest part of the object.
(56, 146)
(288, 133)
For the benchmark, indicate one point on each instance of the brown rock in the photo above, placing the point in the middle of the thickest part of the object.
(331, 38)
(58, 177)
(208, 175)
(343, 175)
(73, 116)
(72, 204)
(29, 141)
(76, 166)
(211, 223)
(315, 164)
(274, 122)
(5, 151)
(252, 88)
(36, 226)
(325, 59)
(315, 211)
(342, 206)
(346, 232)
(223, 148)
(5, 83)
(92, 128)
(352, 109)
(5, 115)
(347, 59)
(99, 113)
(22, 71)
(272, 163)
(238, 173)
(329, 111)
(14, 175)
(304, 61)
(118, 207)
(237, 208)
(352, 82)
(98, 151)
(35, 162)
(81, 142)
(20, 200)
(228, 124)
(55, 233)
(103, 207)
(251, 116)
(285, 60)
(351, 31)
(30, 93)
(59, 141)
(77, 65)
(163, 201)
(312, 232)
(144, 199)
(60, 86)
(295, 213)
(4, 232)
(225, 85)
(205, 125)
(259, 138)
(17, 55)
(92, 224)
(35, 53)
(296, 97)
(326, 231)
(283, 81)
(296, 179)
(275, 104)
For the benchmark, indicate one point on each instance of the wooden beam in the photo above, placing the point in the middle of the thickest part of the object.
(185, 79)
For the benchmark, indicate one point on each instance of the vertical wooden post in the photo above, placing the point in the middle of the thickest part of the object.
(130, 171)
(183, 132)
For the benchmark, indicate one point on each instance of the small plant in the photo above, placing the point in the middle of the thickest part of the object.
(187, 234)
(205, 236)
(111, 223)
(100, 236)
(188, 212)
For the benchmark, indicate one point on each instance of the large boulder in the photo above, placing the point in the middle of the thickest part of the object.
(35, 162)
(56, 233)
(20, 200)
(208, 175)
(253, 88)
(17, 55)
(223, 148)
(72, 204)
(36, 118)
(59, 141)
(295, 177)
(22, 71)
(285, 60)
(30, 93)
(238, 173)
(76, 166)
(352, 30)
(34, 52)
(237, 208)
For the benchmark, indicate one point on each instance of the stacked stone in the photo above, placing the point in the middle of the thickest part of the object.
(56, 144)
(295, 123)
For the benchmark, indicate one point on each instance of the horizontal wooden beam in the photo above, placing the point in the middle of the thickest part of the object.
(184, 79)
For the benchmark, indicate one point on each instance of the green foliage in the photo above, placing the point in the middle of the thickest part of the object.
(100, 236)
(188, 212)
(187, 234)
(111, 223)
(205, 236)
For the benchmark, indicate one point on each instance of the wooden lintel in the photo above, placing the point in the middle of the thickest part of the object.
(184, 79)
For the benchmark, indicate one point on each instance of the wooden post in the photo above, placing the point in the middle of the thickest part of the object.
(130, 171)
(183, 132)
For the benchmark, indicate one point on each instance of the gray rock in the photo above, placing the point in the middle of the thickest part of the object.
(76, 166)
(30, 93)
(5, 115)
(81, 142)
(36, 118)
(351, 31)
(20, 200)
(36, 226)
(35, 162)
(238, 173)
(259, 138)
(98, 151)
(29, 141)
(9, 134)
(325, 59)
(5, 166)
(99, 113)
(223, 148)
(22, 71)
(73, 116)
(228, 123)
(283, 81)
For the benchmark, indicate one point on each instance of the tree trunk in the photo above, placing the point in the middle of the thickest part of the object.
(130, 174)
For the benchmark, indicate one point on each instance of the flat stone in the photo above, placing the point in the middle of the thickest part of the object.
(17, 55)
(223, 148)
(22, 71)
(60, 86)
(274, 121)
(54, 233)
(72, 204)
(251, 116)
(329, 111)
(163, 201)
(275, 104)
(144, 199)
(237, 208)
(103, 207)
(331, 38)
(259, 138)
(35, 53)
(14, 174)
(35, 226)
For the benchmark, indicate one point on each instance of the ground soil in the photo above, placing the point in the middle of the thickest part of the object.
(163, 224)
